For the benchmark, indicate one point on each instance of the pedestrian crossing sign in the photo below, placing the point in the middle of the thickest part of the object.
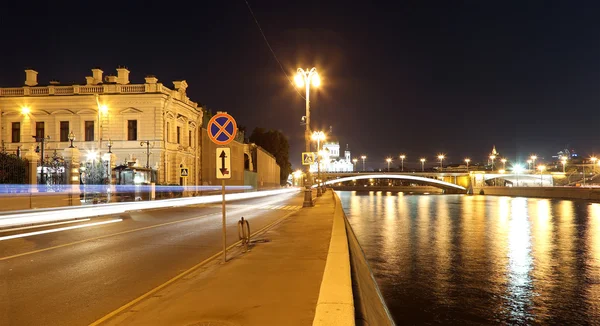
(308, 158)
(184, 172)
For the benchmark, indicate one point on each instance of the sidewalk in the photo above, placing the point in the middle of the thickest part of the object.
(276, 283)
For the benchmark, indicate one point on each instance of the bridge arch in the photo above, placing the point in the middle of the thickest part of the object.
(428, 181)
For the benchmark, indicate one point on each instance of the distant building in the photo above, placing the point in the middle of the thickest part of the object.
(568, 153)
(332, 161)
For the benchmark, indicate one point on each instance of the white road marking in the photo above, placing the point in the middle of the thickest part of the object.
(22, 235)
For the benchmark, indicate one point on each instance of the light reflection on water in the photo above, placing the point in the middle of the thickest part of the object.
(481, 260)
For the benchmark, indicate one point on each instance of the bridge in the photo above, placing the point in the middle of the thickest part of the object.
(448, 181)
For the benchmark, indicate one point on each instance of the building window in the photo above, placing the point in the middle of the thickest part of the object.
(16, 132)
(39, 130)
(64, 131)
(178, 135)
(168, 131)
(131, 129)
(89, 131)
(190, 138)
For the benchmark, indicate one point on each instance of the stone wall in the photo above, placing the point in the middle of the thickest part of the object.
(267, 169)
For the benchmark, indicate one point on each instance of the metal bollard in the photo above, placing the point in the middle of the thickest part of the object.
(244, 233)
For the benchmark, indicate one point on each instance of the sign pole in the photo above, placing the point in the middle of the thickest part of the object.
(224, 223)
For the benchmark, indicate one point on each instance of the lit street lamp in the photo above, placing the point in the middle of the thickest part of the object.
(529, 164)
(318, 136)
(364, 157)
(306, 78)
(517, 169)
(388, 160)
(441, 158)
(503, 163)
(593, 159)
(533, 158)
(541, 168)
(71, 139)
(109, 144)
(402, 157)
(564, 163)
(147, 143)
(422, 165)
(354, 160)
(467, 160)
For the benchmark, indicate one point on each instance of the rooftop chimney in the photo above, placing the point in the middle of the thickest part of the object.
(180, 85)
(123, 75)
(31, 77)
(89, 80)
(97, 74)
(150, 79)
(111, 79)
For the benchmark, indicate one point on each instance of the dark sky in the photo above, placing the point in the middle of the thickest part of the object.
(415, 77)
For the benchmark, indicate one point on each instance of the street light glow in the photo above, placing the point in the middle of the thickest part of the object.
(299, 80)
(518, 168)
(316, 80)
(92, 156)
(389, 160)
(25, 110)
(318, 135)
(103, 109)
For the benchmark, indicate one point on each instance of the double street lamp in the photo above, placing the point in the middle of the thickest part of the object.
(422, 165)
(467, 160)
(492, 157)
(354, 160)
(388, 160)
(441, 158)
(304, 78)
(363, 157)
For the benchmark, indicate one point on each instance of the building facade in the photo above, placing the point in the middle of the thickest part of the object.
(332, 161)
(148, 123)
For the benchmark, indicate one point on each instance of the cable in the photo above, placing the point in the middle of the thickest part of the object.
(270, 48)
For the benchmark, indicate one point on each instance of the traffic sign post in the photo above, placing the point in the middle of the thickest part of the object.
(308, 158)
(184, 172)
(221, 131)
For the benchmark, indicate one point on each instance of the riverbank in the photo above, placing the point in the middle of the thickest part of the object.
(592, 194)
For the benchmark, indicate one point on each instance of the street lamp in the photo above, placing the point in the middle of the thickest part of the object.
(71, 139)
(541, 168)
(503, 163)
(388, 160)
(533, 158)
(364, 157)
(402, 157)
(593, 159)
(318, 136)
(492, 157)
(517, 169)
(529, 164)
(304, 78)
(467, 160)
(422, 165)
(441, 158)
(109, 144)
(564, 163)
(147, 143)
(354, 160)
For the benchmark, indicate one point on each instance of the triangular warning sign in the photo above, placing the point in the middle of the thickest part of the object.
(184, 172)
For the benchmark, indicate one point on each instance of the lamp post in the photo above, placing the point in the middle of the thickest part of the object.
(402, 157)
(593, 159)
(541, 168)
(564, 163)
(529, 164)
(422, 165)
(503, 164)
(388, 160)
(305, 78)
(109, 144)
(71, 139)
(354, 160)
(441, 158)
(533, 158)
(40, 148)
(147, 143)
(318, 136)
(364, 157)
(467, 160)
(492, 157)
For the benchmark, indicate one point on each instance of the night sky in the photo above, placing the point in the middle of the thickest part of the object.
(414, 77)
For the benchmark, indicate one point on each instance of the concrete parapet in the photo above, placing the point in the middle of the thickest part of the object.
(335, 305)
(13, 202)
(368, 301)
(543, 192)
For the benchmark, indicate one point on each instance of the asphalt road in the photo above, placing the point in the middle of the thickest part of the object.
(76, 276)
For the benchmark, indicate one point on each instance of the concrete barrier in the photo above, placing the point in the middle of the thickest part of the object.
(368, 301)
(543, 192)
(335, 305)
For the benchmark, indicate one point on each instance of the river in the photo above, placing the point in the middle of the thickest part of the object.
(471, 260)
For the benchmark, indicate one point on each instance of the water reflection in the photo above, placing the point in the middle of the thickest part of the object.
(481, 260)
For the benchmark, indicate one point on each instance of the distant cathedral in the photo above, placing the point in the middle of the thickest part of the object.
(332, 162)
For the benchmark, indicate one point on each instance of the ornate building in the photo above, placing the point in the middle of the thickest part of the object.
(332, 161)
(107, 113)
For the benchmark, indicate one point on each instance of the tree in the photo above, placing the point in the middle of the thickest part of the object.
(276, 143)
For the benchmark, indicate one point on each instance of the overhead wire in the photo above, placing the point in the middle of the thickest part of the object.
(272, 52)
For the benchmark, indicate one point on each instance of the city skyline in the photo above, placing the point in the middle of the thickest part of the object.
(519, 76)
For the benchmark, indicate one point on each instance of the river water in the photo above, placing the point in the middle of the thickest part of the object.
(471, 260)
